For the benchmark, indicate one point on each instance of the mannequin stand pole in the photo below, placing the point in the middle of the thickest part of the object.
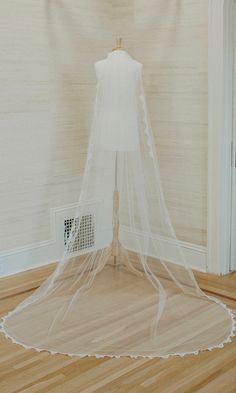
(115, 245)
(117, 249)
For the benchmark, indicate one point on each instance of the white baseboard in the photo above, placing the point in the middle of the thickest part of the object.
(36, 255)
(180, 252)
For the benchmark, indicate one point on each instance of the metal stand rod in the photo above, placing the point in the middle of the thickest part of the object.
(116, 248)
(115, 245)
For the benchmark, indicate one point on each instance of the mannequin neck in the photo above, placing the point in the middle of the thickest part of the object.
(118, 53)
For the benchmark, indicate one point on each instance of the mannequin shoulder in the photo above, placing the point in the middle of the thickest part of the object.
(139, 65)
(136, 66)
(99, 66)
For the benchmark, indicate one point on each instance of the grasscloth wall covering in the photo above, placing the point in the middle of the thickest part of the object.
(170, 38)
(48, 49)
(47, 87)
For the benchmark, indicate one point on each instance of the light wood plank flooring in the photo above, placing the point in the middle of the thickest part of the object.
(27, 371)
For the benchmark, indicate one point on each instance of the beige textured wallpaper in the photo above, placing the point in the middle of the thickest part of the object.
(48, 49)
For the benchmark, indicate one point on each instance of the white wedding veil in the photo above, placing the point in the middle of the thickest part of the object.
(129, 291)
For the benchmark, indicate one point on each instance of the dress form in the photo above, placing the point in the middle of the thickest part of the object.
(117, 122)
(118, 125)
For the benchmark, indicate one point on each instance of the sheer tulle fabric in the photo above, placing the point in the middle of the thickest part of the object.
(144, 301)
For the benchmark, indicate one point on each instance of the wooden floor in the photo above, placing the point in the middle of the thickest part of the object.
(31, 372)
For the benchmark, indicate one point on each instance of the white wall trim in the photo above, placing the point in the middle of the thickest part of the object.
(169, 249)
(220, 71)
(38, 254)
(43, 253)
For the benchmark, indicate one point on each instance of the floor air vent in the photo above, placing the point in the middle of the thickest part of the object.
(85, 237)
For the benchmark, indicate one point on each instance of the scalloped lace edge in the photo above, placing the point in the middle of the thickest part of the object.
(99, 356)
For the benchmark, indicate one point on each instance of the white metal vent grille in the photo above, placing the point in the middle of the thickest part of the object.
(84, 232)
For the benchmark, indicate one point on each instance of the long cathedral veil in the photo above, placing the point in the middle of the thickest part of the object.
(130, 292)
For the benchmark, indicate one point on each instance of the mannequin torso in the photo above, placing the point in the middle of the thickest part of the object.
(118, 82)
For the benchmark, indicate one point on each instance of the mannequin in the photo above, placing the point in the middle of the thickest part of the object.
(117, 121)
(118, 127)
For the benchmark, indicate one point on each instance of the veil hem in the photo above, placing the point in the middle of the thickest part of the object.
(101, 356)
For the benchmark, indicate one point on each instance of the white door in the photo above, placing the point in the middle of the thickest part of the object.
(233, 215)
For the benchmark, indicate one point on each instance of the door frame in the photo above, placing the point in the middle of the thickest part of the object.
(233, 191)
(220, 128)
